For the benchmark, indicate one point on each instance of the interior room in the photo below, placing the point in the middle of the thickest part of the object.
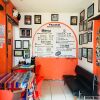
(49, 50)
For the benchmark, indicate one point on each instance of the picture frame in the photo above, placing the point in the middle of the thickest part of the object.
(90, 11)
(37, 19)
(25, 44)
(54, 17)
(98, 5)
(85, 25)
(85, 38)
(18, 44)
(80, 53)
(27, 19)
(18, 53)
(80, 39)
(90, 26)
(90, 55)
(26, 54)
(84, 52)
(73, 20)
(81, 26)
(90, 37)
(82, 16)
(25, 32)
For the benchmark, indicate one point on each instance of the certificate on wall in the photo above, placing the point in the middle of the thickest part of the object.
(18, 44)
(55, 40)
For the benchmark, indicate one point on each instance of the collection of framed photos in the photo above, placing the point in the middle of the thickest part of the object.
(25, 32)
(85, 38)
(22, 48)
(37, 19)
(86, 53)
(86, 28)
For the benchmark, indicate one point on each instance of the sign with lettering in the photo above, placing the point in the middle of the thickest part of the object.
(55, 40)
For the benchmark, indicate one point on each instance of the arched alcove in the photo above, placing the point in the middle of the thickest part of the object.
(55, 46)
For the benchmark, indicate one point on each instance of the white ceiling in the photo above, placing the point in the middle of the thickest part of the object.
(51, 6)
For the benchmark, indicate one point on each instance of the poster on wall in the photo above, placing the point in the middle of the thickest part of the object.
(98, 48)
(2, 31)
(54, 40)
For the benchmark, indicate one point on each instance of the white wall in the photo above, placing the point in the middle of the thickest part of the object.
(86, 65)
(46, 17)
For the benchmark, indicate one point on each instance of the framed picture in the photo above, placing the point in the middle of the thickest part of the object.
(80, 39)
(85, 52)
(25, 44)
(81, 26)
(90, 55)
(54, 17)
(28, 33)
(37, 19)
(85, 25)
(25, 32)
(85, 38)
(90, 37)
(82, 16)
(27, 19)
(26, 54)
(98, 5)
(18, 53)
(90, 26)
(80, 53)
(18, 44)
(73, 20)
(90, 11)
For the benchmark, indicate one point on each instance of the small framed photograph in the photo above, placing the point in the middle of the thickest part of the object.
(80, 39)
(90, 11)
(18, 53)
(73, 20)
(85, 52)
(28, 33)
(25, 44)
(80, 53)
(26, 54)
(85, 38)
(98, 5)
(54, 17)
(27, 19)
(85, 25)
(37, 19)
(90, 26)
(82, 16)
(90, 37)
(90, 55)
(81, 26)
(23, 33)
(18, 44)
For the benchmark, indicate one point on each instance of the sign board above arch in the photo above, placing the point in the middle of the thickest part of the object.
(55, 39)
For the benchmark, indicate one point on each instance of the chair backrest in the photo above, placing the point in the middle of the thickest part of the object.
(86, 78)
(84, 74)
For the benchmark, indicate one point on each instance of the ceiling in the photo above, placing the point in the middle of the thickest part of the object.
(51, 6)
